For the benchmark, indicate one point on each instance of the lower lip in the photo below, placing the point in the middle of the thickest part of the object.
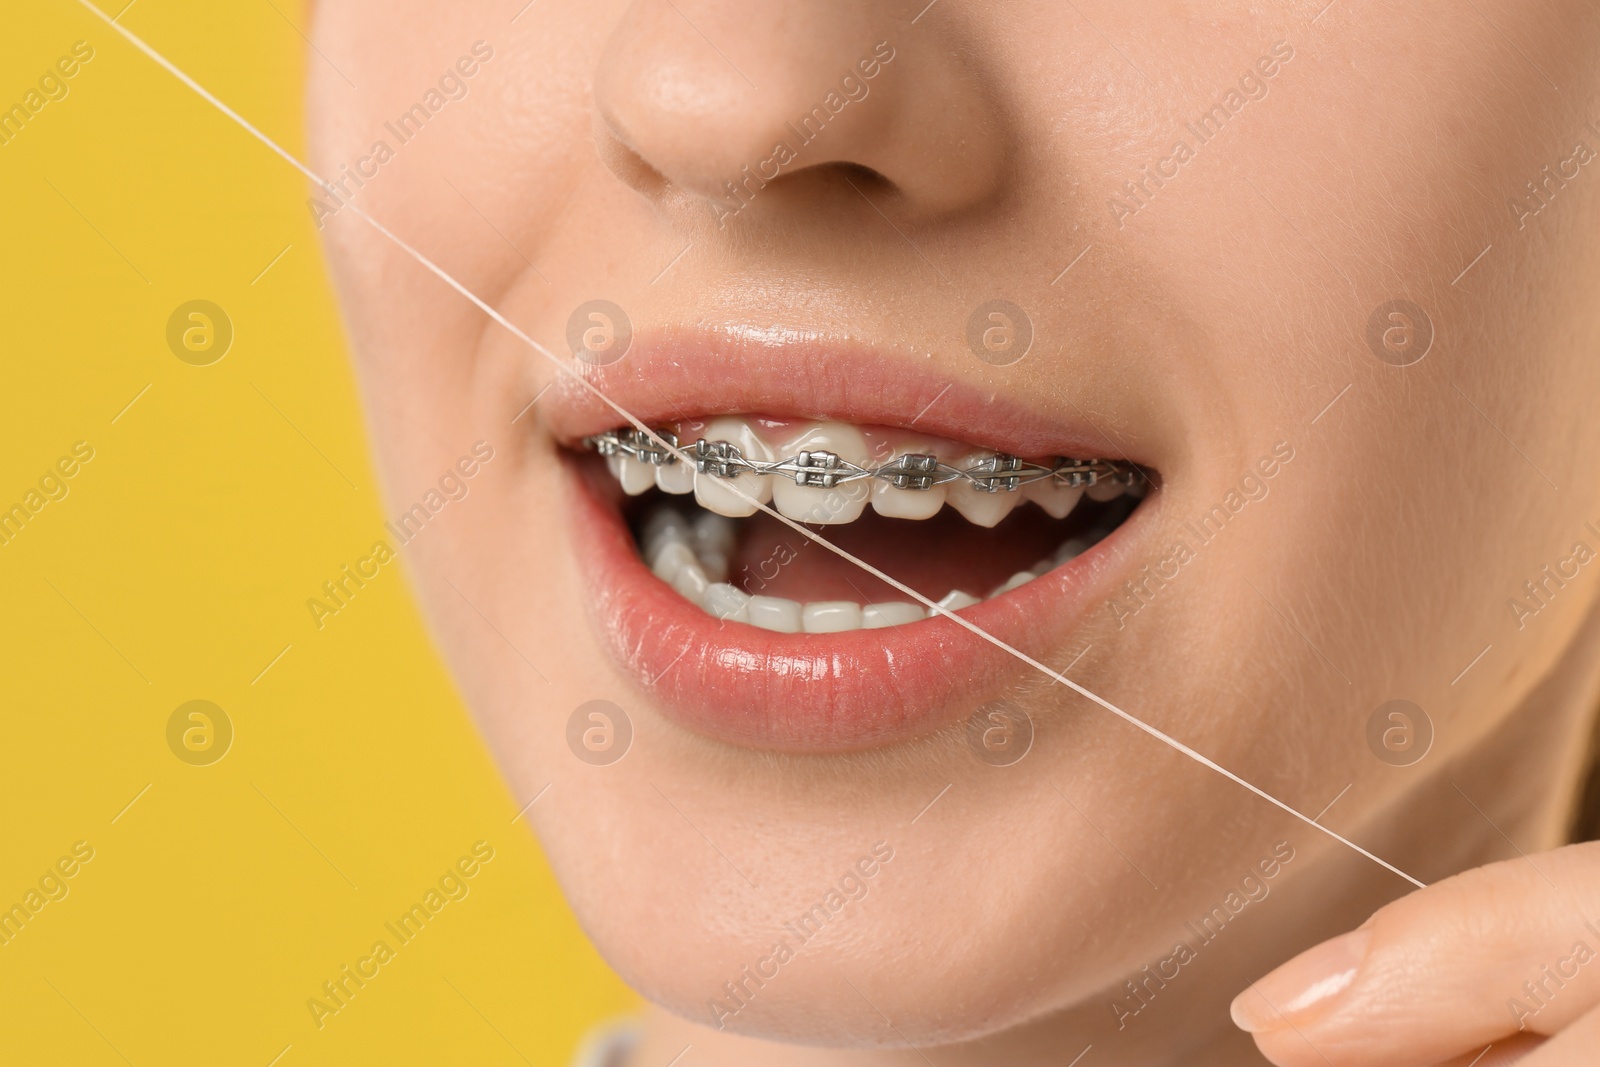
(817, 692)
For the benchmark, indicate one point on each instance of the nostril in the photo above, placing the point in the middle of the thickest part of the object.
(631, 168)
(841, 183)
(863, 177)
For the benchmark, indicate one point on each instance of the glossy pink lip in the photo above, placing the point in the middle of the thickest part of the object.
(684, 374)
(812, 692)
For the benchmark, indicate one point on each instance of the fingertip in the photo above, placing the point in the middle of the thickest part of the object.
(1252, 1013)
(1309, 984)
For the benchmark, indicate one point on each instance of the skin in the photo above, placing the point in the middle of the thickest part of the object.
(1223, 316)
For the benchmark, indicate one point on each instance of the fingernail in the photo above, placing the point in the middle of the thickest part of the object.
(1309, 982)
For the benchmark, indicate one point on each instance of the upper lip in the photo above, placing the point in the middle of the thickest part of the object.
(675, 375)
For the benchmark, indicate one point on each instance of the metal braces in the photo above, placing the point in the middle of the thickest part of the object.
(825, 470)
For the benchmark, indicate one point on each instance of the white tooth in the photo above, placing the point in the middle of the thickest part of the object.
(664, 519)
(713, 538)
(614, 464)
(1056, 499)
(978, 507)
(831, 616)
(668, 542)
(671, 557)
(715, 532)
(663, 525)
(955, 600)
(809, 503)
(774, 613)
(1104, 491)
(690, 582)
(1019, 578)
(726, 602)
(975, 505)
(715, 564)
(716, 494)
(675, 478)
(1072, 549)
(893, 613)
(636, 477)
(906, 503)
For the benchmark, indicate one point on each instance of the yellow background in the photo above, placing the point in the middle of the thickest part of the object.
(178, 567)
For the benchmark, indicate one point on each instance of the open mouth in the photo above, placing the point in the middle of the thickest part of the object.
(957, 523)
(735, 625)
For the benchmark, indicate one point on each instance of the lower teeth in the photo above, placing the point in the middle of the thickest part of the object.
(693, 556)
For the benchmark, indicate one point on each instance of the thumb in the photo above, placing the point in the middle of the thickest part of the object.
(1510, 948)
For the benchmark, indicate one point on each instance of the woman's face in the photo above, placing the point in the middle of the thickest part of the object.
(1287, 259)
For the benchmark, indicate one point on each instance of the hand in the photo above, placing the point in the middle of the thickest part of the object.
(1503, 958)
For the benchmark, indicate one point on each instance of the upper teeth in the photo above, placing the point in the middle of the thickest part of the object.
(828, 473)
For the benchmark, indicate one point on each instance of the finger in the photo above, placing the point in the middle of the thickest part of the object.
(1576, 1046)
(1508, 948)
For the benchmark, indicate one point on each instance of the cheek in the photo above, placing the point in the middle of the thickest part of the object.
(1373, 520)
(1370, 572)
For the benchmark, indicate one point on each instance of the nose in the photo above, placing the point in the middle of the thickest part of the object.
(722, 100)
